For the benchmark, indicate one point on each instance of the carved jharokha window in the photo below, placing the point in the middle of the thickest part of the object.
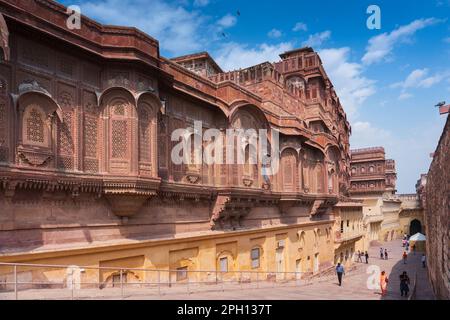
(144, 135)
(35, 131)
(194, 157)
(250, 165)
(289, 172)
(320, 178)
(119, 130)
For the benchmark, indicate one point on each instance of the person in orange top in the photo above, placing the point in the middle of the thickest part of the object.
(383, 283)
(405, 257)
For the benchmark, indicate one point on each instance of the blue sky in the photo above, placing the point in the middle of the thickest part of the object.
(388, 80)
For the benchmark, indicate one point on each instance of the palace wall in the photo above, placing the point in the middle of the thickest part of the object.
(86, 177)
(437, 213)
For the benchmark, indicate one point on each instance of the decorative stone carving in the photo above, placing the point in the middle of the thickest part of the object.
(228, 211)
(34, 159)
(32, 85)
(193, 178)
(247, 182)
(119, 80)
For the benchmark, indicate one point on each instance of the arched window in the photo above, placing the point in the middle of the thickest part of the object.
(119, 140)
(320, 178)
(195, 155)
(35, 130)
(144, 135)
(288, 170)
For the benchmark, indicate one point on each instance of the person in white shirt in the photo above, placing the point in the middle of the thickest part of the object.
(424, 260)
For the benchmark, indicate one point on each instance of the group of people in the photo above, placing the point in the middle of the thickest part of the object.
(405, 242)
(404, 283)
(383, 254)
(384, 280)
(361, 254)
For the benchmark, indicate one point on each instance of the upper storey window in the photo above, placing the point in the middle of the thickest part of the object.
(296, 82)
(34, 126)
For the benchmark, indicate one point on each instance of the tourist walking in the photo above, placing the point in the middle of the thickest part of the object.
(424, 260)
(404, 243)
(359, 256)
(381, 253)
(414, 248)
(407, 245)
(340, 272)
(405, 257)
(404, 284)
(367, 257)
(383, 283)
(385, 254)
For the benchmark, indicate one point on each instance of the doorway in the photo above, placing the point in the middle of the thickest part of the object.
(279, 257)
(415, 227)
(316, 263)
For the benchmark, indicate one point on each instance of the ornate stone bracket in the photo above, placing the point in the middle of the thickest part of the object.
(127, 198)
(227, 211)
(319, 207)
(193, 178)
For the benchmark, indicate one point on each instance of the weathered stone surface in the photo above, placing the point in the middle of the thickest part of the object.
(437, 216)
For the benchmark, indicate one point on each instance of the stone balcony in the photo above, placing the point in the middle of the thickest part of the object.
(342, 238)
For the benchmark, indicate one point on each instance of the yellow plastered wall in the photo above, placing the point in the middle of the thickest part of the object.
(196, 253)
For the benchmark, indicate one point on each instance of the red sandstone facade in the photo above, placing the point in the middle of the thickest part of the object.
(371, 172)
(86, 118)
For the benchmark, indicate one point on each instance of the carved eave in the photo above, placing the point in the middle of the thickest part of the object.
(318, 204)
(126, 197)
(73, 187)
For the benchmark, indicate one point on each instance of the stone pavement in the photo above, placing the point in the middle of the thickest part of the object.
(325, 288)
(354, 284)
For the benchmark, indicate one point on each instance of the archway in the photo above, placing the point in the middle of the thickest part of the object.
(414, 227)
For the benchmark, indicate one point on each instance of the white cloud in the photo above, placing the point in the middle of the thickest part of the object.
(274, 33)
(380, 47)
(300, 26)
(404, 96)
(227, 21)
(201, 3)
(233, 55)
(364, 134)
(177, 29)
(350, 84)
(317, 39)
(418, 78)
